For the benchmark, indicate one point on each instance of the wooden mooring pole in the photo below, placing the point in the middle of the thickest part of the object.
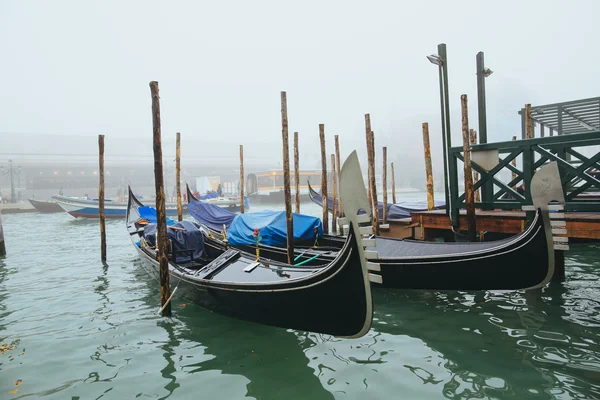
(333, 195)
(297, 172)
(393, 185)
(2, 244)
(178, 176)
(469, 196)
(337, 164)
(373, 184)
(528, 122)
(385, 198)
(241, 178)
(368, 136)
(101, 199)
(161, 222)
(428, 169)
(324, 179)
(473, 140)
(286, 180)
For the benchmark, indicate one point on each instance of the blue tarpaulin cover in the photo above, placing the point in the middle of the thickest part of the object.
(272, 228)
(189, 238)
(210, 215)
(405, 208)
(208, 196)
(149, 213)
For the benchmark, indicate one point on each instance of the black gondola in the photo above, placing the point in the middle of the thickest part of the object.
(523, 261)
(333, 299)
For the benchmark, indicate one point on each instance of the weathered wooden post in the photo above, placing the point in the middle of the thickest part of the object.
(393, 185)
(428, 169)
(297, 172)
(101, 199)
(178, 176)
(333, 195)
(241, 178)
(368, 138)
(473, 139)
(469, 197)
(385, 203)
(373, 184)
(324, 179)
(2, 244)
(161, 222)
(337, 164)
(287, 194)
(528, 122)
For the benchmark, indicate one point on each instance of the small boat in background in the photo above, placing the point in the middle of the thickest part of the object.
(88, 208)
(395, 211)
(46, 206)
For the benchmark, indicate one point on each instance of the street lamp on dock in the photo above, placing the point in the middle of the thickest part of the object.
(441, 60)
(11, 171)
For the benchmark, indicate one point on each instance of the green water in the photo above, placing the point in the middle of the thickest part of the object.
(81, 330)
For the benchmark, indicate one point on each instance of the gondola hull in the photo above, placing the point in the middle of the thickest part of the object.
(334, 299)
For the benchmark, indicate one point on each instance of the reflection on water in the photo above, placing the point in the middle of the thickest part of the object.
(80, 329)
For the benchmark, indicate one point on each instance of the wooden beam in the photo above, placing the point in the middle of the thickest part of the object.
(101, 198)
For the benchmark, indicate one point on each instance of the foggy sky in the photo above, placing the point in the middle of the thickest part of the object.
(79, 68)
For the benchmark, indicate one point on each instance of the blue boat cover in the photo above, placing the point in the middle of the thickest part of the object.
(149, 213)
(405, 208)
(272, 228)
(210, 215)
(208, 196)
(190, 238)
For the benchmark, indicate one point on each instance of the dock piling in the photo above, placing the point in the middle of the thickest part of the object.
(393, 184)
(286, 180)
(333, 195)
(528, 122)
(241, 178)
(428, 169)
(324, 179)
(337, 165)
(385, 203)
(469, 196)
(368, 136)
(101, 198)
(161, 223)
(373, 183)
(178, 175)
(2, 244)
(297, 172)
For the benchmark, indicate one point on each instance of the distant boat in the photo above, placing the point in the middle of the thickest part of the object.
(45, 206)
(88, 208)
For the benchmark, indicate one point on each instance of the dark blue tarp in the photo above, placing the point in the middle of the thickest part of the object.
(149, 213)
(189, 238)
(272, 227)
(210, 215)
(208, 196)
(405, 208)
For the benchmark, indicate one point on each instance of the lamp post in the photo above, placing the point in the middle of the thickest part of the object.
(482, 73)
(441, 60)
(11, 171)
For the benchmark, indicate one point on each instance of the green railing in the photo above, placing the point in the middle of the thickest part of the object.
(580, 174)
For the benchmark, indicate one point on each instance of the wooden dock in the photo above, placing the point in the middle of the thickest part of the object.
(429, 224)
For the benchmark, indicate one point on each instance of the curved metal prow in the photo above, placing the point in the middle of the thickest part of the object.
(354, 197)
(546, 186)
(190, 195)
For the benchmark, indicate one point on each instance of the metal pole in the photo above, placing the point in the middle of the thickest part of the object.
(481, 112)
(13, 195)
(443, 77)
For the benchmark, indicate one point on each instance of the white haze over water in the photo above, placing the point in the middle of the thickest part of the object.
(74, 69)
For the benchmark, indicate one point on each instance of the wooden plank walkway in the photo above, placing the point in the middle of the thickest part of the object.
(580, 225)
